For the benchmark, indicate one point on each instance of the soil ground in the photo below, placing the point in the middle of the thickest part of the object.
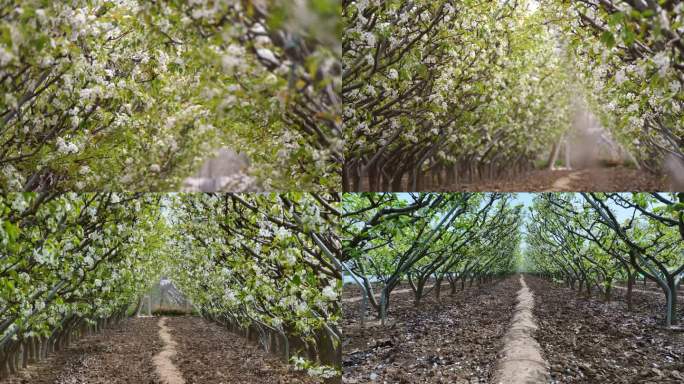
(119, 355)
(455, 341)
(613, 179)
(209, 354)
(123, 354)
(590, 341)
(458, 340)
(352, 291)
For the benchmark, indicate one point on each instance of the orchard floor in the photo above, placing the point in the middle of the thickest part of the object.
(459, 340)
(206, 353)
(610, 179)
(455, 341)
(591, 341)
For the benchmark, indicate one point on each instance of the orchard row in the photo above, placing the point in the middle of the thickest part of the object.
(260, 264)
(463, 90)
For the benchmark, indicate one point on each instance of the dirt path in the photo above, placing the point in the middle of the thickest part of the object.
(173, 350)
(209, 354)
(455, 340)
(611, 179)
(166, 370)
(522, 361)
(564, 183)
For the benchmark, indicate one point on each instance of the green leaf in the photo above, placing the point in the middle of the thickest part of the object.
(12, 230)
(628, 36)
(608, 39)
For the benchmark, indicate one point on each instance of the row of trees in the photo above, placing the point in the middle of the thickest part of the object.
(69, 265)
(596, 239)
(456, 89)
(388, 238)
(469, 89)
(266, 266)
(630, 60)
(110, 93)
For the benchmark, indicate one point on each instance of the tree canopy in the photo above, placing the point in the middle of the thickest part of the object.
(478, 88)
(596, 238)
(264, 262)
(133, 95)
(388, 238)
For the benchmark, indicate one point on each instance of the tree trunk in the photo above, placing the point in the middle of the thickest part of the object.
(588, 286)
(397, 182)
(418, 294)
(345, 178)
(139, 305)
(383, 305)
(364, 307)
(355, 181)
(671, 303)
(630, 285)
(609, 288)
(554, 154)
(4, 371)
(25, 354)
(13, 360)
(373, 174)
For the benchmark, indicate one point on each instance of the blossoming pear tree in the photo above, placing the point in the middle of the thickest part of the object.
(446, 91)
(465, 88)
(132, 94)
(71, 263)
(266, 265)
(630, 59)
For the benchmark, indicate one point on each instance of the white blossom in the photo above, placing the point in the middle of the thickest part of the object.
(675, 86)
(5, 56)
(330, 292)
(662, 62)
